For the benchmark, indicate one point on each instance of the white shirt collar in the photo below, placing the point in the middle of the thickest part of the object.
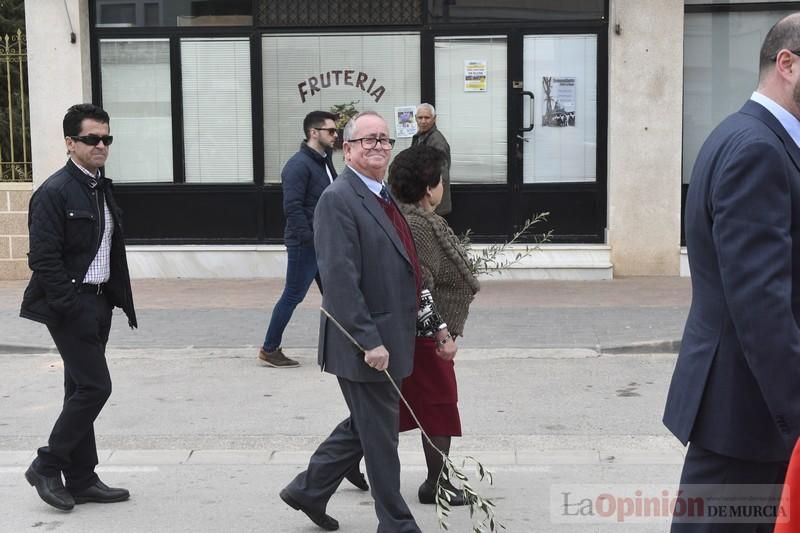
(787, 120)
(374, 186)
(84, 170)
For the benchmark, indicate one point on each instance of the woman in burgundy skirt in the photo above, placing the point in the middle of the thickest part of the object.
(448, 288)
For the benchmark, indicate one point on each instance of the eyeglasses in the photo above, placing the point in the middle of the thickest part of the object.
(775, 57)
(331, 131)
(368, 143)
(93, 140)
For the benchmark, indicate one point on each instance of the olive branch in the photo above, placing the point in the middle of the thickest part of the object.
(488, 260)
(478, 505)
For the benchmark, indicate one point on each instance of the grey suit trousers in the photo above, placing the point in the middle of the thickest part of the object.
(370, 430)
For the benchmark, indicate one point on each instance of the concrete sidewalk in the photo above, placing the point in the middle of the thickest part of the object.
(561, 389)
(647, 314)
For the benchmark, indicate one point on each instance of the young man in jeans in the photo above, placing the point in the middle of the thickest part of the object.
(304, 177)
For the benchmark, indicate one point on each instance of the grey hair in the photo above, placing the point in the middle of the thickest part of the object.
(350, 128)
(429, 107)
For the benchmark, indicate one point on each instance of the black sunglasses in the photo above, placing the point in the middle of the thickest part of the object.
(775, 57)
(93, 140)
(331, 131)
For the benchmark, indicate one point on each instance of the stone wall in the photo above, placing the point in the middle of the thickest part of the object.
(645, 116)
(14, 198)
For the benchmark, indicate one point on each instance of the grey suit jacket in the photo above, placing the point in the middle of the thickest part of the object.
(369, 283)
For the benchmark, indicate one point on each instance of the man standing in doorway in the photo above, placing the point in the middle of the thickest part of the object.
(428, 133)
(80, 273)
(369, 267)
(304, 177)
(734, 395)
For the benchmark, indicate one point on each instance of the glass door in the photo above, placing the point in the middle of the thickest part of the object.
(520, 112)
(555, 155)
(559, 116)
(471, 106)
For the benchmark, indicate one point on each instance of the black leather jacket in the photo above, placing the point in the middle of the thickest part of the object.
(64, 221)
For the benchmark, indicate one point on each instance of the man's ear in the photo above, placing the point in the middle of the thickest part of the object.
(784, 63)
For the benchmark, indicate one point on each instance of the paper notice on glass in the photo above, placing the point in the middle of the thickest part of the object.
(475, 74)
(559, 102)
(404, 123)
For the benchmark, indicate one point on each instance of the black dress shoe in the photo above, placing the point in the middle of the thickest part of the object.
(358, 480)
(100, 493)
(321, 519)
(50, 489)
(427, 494)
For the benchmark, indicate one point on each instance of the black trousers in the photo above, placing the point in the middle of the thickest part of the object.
(723, 480)
(370, 430)
(81, 340)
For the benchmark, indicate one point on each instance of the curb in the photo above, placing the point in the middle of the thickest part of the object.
(20, 349)
(468, 354)
(662, 346)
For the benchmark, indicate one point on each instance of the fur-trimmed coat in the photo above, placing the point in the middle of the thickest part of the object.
(443, 265)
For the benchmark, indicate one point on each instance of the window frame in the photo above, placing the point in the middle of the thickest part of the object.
(709, 7)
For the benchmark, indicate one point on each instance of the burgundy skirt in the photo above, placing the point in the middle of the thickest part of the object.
(432, 393)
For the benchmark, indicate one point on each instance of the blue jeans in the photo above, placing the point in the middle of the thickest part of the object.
(301, 270)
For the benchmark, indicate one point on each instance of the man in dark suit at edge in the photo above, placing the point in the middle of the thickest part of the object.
(735, 392)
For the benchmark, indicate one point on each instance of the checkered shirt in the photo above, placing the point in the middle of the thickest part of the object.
(100, 269)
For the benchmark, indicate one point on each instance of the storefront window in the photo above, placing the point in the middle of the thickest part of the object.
(693, 2)
(475, 122)
(561, 72)
(136, 93)
(217, 118)
(128, 13)
(720, 70)
(514, 10)
(341, 72)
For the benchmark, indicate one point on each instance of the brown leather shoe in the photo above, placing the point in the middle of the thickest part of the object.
(276, 359)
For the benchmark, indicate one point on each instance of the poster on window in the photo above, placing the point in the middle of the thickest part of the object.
(475, 71)
(404, 124)
(559, 102)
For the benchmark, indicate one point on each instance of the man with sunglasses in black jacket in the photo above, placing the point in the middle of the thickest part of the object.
(80, 273)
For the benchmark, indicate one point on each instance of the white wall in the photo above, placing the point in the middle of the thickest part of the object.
(58, 73)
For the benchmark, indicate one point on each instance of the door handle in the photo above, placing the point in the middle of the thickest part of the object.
(530, 118)
(523, 139)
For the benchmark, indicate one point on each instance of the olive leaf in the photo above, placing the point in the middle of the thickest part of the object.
(490, 260)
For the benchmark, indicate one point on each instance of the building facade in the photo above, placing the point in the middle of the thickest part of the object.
(588, 110)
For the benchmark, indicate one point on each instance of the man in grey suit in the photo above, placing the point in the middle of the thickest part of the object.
(369, 269)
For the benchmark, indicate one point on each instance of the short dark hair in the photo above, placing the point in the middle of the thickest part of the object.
(414, 170)
(316, 119)
(784, 34)
(78, 112)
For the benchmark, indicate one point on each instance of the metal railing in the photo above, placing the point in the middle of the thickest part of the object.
(15, 164)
